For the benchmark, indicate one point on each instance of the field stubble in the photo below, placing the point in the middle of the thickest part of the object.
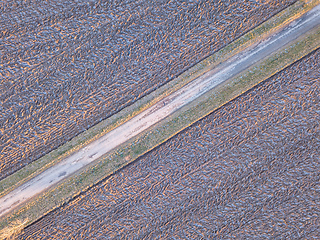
(249, 169)
(103, 127)
(140, 147)
(65, 69)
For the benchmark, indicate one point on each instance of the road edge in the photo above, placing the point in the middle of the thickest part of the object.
(271, 26)
(175, 123)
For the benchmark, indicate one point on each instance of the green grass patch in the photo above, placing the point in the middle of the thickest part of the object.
(52, 158)
(159, 133)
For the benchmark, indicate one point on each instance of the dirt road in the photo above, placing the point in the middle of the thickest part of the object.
(67, 65)
(248, 170)
(158, 112)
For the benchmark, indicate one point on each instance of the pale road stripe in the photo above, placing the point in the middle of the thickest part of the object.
(158, 112)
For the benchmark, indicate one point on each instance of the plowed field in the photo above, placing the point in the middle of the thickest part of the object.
(248, 170)
(66, 65)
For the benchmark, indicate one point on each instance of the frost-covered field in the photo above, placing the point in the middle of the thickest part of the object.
(248, 170)
(65, 66)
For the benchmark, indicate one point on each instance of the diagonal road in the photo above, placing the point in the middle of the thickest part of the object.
(159, 111)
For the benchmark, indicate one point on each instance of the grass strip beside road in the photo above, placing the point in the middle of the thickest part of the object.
(269, 27)
(159, 133)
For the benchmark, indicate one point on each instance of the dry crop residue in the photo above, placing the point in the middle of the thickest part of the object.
(66, 65)
(248, 170)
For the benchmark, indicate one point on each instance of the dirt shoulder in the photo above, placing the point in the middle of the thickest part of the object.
(142, 141)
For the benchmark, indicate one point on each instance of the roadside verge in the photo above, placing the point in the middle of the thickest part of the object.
(164, 130)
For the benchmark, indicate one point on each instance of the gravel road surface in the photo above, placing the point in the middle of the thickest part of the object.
(249, 170)
(66, 65)
(158, 112)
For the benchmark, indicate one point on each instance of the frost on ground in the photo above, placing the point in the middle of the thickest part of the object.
(66, 65)
(248, 170)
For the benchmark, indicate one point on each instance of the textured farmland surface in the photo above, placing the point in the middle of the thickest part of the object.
(65, 66)
(249, 169)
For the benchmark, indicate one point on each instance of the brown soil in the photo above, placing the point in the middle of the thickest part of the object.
(65, 66)
(248, 170)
